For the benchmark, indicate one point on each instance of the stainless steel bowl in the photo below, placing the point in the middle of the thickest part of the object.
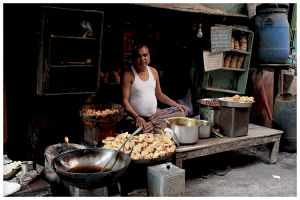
(205, 129)
(234, 104)
(186, 129)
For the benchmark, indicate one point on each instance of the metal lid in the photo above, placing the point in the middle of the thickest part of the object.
(166, 169)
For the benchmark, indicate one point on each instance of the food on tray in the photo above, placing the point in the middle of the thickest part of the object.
(145, 146)
(237, 98)
(8, 168)
(213, 102)
(99, 112)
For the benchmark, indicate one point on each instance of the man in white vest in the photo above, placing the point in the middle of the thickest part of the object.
(140, 92)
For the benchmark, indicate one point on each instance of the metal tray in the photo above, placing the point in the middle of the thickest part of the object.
(154, 160)
(12, 174)
(233, 104)
(209, 107)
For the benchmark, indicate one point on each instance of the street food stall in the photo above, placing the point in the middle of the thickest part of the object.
(108, 158)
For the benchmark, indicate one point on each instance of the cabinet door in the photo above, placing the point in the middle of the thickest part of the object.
(70, 51)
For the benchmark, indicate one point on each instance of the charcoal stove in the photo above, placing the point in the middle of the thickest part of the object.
(97, 128)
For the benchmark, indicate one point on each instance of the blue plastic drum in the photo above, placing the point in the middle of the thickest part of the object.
(272, 33)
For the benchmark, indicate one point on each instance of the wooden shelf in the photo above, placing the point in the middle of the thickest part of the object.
(233, 69)
(72, 37)
(65, 66)
(223, 90)
(238, 51)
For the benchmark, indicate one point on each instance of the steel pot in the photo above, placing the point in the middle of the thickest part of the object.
(186, 129)
(205, 129)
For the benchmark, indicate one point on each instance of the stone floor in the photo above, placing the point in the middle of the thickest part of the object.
(251, 176)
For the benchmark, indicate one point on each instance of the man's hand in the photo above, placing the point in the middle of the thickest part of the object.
(139, 121)
(182, 108)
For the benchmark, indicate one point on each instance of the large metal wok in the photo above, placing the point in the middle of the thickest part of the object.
(90, 157)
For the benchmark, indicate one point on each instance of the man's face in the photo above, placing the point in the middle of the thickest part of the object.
(142, 58)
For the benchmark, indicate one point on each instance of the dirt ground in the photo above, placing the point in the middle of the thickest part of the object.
(251, 176)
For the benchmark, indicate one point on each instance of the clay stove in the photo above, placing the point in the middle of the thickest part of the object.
(97, 128)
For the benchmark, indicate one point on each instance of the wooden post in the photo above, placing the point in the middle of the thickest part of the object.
(274, 151)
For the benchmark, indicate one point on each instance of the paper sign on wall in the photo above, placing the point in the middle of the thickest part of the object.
(221, 38)
(212, 60)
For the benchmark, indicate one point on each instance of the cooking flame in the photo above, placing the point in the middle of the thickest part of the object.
(67, 140)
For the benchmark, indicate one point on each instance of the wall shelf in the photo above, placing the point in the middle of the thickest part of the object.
(63, 53)
(231, 80)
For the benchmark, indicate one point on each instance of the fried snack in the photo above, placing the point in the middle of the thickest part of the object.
(149, 156)
(145, 146)
(149, 140)
(137, 149)
(114, 144)
(110, 138)
(237, 98)
(142, 137)
(117, 139)
(124, 135)
(144, 153)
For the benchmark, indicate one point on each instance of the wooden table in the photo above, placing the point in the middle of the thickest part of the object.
(257, 135)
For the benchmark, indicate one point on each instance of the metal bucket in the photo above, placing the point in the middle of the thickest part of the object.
(185, 129)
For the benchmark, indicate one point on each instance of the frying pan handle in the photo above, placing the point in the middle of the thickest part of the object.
(50, 164)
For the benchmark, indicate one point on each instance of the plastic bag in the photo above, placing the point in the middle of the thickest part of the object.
(187, 101)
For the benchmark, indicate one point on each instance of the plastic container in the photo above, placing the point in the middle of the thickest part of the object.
(272, 33)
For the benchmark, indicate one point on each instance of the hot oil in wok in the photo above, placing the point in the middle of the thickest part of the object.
(88, 169)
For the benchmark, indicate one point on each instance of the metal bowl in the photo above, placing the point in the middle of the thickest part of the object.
(234, 104)
(209, 107)
(205, 129)
(185, 129)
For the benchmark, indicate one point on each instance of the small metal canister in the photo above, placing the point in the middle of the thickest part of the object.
(165, 180)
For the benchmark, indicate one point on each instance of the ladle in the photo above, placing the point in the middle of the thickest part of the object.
(137, 130)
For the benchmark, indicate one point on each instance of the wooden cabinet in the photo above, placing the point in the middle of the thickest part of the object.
(70, 51)
(231, 80)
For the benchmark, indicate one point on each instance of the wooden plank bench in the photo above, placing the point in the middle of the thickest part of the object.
(257, 135)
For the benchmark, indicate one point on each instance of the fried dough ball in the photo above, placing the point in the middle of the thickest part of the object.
(145, 145)
(139, 156)
(137, 149)
(156, 155)
(149, 156)
(106, 141)
(119, 145)
(150, 149)
(118, 139)
(235, 97)
(141, 137)
(160, 148)
(124, 135)
(128, 145)
(149, 140)
(162, 153)
(144, 153)
(114, 144)
(110, 138)
(127, 152)
(118, 136)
